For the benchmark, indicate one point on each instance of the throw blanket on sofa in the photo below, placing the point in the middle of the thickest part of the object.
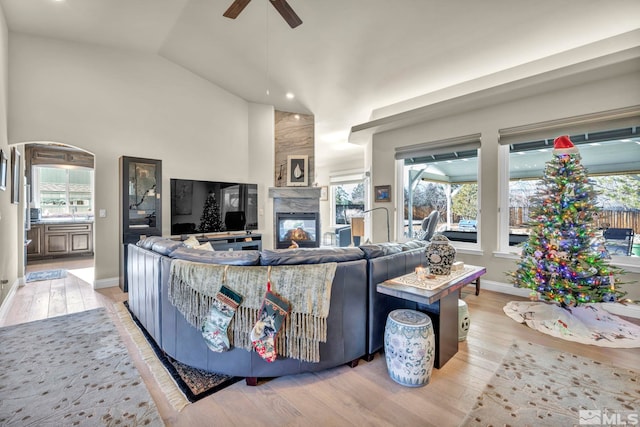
(193, 286)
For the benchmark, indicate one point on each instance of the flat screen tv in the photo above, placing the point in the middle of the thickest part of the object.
(212, 206)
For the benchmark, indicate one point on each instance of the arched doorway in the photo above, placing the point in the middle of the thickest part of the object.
(59, 210)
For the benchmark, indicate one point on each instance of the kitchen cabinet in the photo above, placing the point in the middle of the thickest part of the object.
(36, 237)
(50, 240)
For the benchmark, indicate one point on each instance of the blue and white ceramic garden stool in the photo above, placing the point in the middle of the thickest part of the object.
(409, 347)
(464, 321)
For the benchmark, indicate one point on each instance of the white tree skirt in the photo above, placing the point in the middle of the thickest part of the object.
(587, 324)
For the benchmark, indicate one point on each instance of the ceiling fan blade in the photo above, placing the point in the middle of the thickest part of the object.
(236, 7)
(287, 12)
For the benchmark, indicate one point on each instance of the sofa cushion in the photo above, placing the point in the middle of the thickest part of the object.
(309, 256)
(375, 250)
(216, 257)
(165, 246)
(147, 242)
(414, 244)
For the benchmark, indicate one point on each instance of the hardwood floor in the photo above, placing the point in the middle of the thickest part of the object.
(50, 298)
(362, 396)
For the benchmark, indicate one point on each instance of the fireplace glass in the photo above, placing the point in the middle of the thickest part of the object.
(301, 227)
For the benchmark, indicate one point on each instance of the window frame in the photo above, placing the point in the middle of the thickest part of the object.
(445, 146)
(352, 177)
(36, 188)
(593, 123)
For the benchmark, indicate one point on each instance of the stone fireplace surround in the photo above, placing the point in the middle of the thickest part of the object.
(295, 200)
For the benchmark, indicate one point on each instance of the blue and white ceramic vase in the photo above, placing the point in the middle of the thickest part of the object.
(440, 255)
(409, 347)
(464, 321)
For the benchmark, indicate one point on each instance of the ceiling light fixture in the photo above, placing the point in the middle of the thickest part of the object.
(290, 95)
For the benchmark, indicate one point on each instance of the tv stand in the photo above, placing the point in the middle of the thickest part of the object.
(234, 242)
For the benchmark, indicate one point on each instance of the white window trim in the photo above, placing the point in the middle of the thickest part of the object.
(462, 247)
(398, 201)
(353, 176)
(467, 248)
(503, 200)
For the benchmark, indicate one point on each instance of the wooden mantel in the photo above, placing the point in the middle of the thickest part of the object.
(294, 192)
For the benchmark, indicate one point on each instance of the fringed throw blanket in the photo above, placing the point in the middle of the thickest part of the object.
(193, 287)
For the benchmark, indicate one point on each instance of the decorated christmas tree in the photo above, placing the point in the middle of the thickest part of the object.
(564, 261)
(210, 220)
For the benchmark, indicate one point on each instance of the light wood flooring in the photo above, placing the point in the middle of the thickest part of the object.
(343, 396)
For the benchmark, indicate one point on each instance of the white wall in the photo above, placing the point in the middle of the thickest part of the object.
(9, 233)
(261, 161)
(117, 103)
(547, 101)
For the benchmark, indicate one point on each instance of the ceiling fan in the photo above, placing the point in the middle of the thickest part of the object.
(281, 6)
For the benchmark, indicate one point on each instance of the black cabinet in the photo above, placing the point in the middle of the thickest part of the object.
(140, 204)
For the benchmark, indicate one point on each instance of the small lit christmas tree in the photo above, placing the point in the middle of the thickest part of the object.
(562, 261)
(210, 219)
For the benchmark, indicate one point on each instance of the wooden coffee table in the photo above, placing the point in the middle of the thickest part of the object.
(439, 299)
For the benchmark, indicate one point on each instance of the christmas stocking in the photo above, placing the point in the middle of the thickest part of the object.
(214, 329)
(272, 314)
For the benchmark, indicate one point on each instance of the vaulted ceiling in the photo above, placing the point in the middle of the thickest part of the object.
(347, 59)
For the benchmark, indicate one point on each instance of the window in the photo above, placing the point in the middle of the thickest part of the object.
(63, 191)
(612, 160)
(347, 200)
(442, 176)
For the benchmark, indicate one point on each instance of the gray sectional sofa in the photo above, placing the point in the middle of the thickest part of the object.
(355, 323)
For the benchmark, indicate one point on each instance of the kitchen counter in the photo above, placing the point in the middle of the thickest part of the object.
(63, 221)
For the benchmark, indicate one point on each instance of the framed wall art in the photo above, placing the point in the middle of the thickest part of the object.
(15, 176)
(297, 171)
(3, 171)
(382, 193)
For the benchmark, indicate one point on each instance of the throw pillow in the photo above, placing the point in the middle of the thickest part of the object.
(206, 246)
(191, 242)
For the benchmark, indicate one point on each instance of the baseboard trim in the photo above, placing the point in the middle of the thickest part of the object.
(106, 283)
(503, 288)
(628, 310)
(4, 308)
